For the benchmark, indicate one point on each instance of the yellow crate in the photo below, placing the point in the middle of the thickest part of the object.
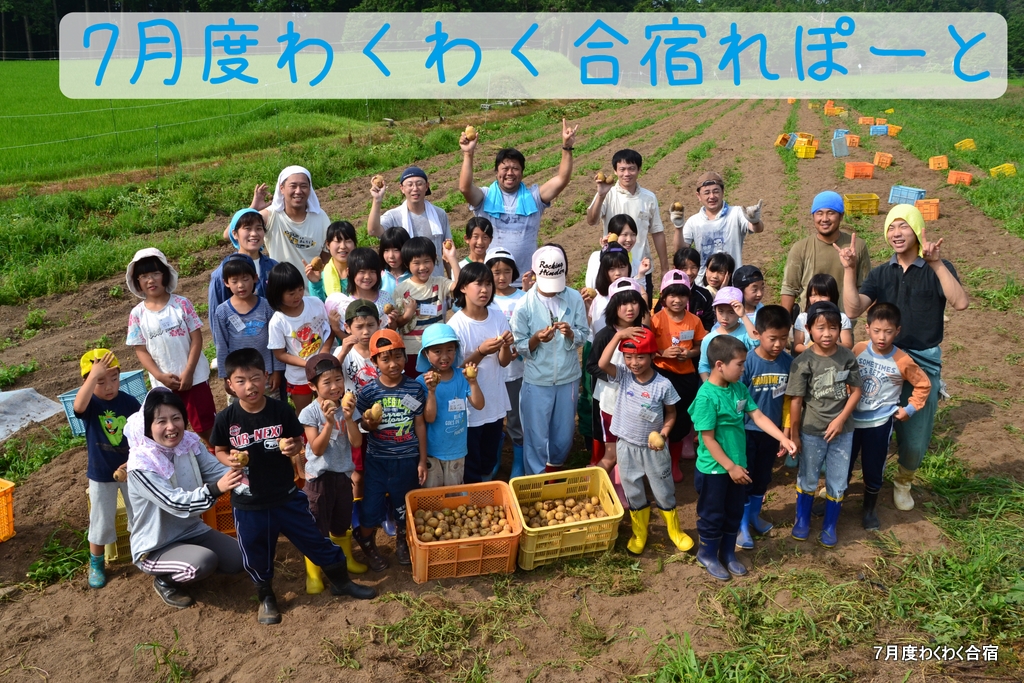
(813, 105)
(1003, 170)
(860, 204)
(121, 549)
(6, 509)
(805, 151)
(890, 111)
(579, 539)
(782, 140)
(965, 144)
(938, 163)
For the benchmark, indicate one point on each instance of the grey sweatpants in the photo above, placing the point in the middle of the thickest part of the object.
(636, 462)
(195, 559)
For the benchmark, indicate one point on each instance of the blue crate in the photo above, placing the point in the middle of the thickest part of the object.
(792, 141)
(901, 194)
(132, 382)
(840, 148)
(839, 133)
(879, 130)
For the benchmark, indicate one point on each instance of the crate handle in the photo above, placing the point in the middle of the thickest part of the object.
(569, 537)
(456, 494)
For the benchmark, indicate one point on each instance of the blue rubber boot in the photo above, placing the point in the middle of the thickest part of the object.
(389, 526)
(727, 554)
(97, 571)
(518, 470)
(707, 556)
(791, 462)
(802, 524)
(759, 525)
(744, 539)
(828, 528)
(357, 505)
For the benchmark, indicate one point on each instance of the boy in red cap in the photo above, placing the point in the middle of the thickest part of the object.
(390, 411)
(644, 415)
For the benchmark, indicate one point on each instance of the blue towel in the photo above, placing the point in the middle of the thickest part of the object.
(495, 205)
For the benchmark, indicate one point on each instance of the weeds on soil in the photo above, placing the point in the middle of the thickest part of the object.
(22, 457)
(613, 573)
(59, 562)
(165, 659)
(9, 374)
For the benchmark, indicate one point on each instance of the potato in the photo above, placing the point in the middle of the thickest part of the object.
(317, 264)
(507, 528)
(348, 401)
(471, 372)
(420, 514)
(570, 502)
(438, 532)
(559, 516)
(600, 177)
(589, 292)
(120, 474)
(552, 522)
(656, 441)
(328, 404)
(448, 536)
(677, 206)
(470, 133)
(612, 237)
(594, 500)
(389, 308)
(427, 537)
(241, 456)
(589, 507)
(448, 244)
(461, 509)
(550, 515)
(432, 522)
(377, 181)
(377, 411)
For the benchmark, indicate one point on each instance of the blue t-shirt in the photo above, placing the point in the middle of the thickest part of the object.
(396, 435)
(233, 330)
(447, 435)
(740, 332)
(104, 434)
(766, 381)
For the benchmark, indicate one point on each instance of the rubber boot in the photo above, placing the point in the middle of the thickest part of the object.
(758, 524)
(337, 575)
(314, 578)
(901, 489)
(791, 462)
(617, 485)
(402, 549)
(640, 519)
(518, 469)
(869, 519)
(744, 539)
(550, 469)
(268, 614)
(707, 556)
(802, 523)
(675, 452)
(680, 538)
(389, 526)
(727, 555)
(97, 571)
(345, 543)
(357, 506)
(828, 528)
(368, 544)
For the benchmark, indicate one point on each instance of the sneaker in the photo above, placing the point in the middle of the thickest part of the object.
(171, 593)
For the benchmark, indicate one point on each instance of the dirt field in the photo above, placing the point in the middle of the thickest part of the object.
(68, 632)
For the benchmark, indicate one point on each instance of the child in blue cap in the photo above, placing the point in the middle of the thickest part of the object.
(246, 232)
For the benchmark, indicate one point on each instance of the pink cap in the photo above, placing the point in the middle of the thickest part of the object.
(727, 295)
(674, 277)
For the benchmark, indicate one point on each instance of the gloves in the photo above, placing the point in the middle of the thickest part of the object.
(678, 218)
(753, 213)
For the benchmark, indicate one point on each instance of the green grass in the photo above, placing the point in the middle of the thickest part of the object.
(987, 291)
(59, 562)
(22, 457)
(700, 153)
(166, 659)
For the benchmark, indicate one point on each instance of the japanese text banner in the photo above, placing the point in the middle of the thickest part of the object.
(503, 55)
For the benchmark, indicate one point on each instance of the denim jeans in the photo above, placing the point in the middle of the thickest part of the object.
(836, 456)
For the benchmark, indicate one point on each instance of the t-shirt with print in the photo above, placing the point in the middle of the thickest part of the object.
(766, 380)
(507, 305)
(392, 218)
(642, 207)
(447, 434)
(166, 334)
(490, 375)
(432, 300)
(640, 407)
(358, 371)
(684, 334)
(302, 335)
(396, 435)
(269, 472)
(740, 332)
(104, 434)
(338, 456)
(514, 232)
(721, 410)
(723, 233)
(822, 382)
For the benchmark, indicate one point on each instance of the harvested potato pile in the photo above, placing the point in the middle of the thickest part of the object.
(465, 521)
(555, 512)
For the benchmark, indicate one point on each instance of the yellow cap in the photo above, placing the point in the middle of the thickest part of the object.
(91, 357)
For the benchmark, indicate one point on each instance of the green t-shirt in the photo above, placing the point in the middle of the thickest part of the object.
(722, 409)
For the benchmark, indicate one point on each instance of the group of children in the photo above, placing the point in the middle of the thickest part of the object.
(402, 377)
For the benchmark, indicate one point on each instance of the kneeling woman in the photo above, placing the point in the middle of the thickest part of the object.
(172, 481)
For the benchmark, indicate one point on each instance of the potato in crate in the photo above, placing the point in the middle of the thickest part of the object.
(595, 532)
(865, 204)
(133, 382)
(6, 509)
(901, 194)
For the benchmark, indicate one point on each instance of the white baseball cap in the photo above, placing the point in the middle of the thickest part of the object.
(550, 268)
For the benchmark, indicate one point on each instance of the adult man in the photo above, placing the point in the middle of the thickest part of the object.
(919, 282)
(419, 217)
(717, 226)
(816, 254)
(513, 208)
(626, 196)
(296, 225)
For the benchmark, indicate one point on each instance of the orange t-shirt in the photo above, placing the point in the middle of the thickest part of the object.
(686, 334)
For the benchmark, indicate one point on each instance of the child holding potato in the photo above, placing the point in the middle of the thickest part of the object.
(644, 415)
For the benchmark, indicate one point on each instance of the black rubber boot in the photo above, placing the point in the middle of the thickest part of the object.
(402, 548)
(368, 544)
(337, 574)
(268, 614)
(171, 592)
(870, 519)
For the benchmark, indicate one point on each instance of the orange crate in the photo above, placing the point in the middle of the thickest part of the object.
(894, 130)
(782, 140)
(853, 141)
(938, 163)
(866, 120)
(467, 556)
(883, 159)
(6, 509)
(830, 111)
(221, 517)
(929, 208)
(791, 100)
(830, 103)
(859, 169)
(959, 178)
(881, 122)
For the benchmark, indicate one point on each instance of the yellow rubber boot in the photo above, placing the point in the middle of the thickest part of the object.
(681, 539)
(641, 519)
(345, 543)
(314, 578)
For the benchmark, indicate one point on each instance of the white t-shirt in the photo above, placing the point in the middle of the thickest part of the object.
(642, 207)
(725, 233)
(490, 375)
(597, 309)
(507, 305)
(302, 336)
(358, 371)
(294, 242)
(801, 322)
(166, 334)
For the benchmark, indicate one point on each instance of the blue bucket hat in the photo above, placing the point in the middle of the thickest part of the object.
(436, 334)
(234, 222)
(828, 200)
